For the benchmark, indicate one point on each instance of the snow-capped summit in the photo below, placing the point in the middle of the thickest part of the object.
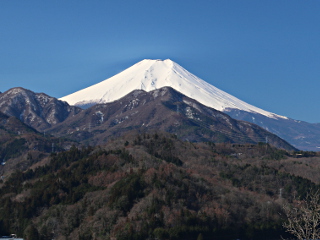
(149, 75)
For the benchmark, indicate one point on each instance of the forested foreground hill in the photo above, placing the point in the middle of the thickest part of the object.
(154, 186)
(21, 146)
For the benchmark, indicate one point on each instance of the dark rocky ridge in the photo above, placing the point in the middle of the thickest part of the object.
(163, 109)
(37, 110)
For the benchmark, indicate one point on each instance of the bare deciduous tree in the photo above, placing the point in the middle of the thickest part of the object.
(303, 217)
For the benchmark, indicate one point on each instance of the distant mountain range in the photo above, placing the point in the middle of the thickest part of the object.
(302, 135)
(149, 75)
(163, 109)
(156, 94)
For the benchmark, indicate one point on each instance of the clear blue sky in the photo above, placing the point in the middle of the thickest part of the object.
(264, 52)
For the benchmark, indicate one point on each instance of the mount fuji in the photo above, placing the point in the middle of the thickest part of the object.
(149, 75)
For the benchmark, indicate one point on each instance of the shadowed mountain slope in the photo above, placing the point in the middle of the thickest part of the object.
(163, 109)
(37, 110)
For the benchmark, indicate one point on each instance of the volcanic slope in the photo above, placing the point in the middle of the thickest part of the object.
(149, 75)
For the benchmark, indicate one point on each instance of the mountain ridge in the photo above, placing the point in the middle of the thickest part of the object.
(152, 74)
(42, 112)
(164, 109)
(37, 110)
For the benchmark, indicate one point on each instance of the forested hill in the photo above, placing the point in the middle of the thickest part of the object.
(21, 146)
(154, 186)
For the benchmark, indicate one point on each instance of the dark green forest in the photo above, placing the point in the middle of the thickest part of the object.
(154, 186)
